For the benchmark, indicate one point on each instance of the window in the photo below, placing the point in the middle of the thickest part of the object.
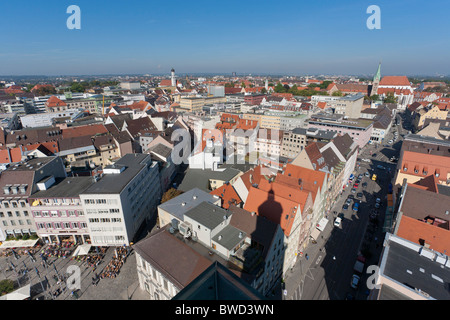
(17, 214)
(14, 204)
(25, 213)
(5, 224)
(29, 222)
(6, 205)
(2, 215)
(13, 223)
(22, 204)
(21, 222)
(45, 213)
(9, 214)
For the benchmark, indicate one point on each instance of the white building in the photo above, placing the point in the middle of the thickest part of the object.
(118, 204)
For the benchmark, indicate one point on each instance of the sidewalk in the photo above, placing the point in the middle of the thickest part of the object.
(295, 276)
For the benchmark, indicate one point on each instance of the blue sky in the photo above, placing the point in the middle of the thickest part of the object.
(248, 36)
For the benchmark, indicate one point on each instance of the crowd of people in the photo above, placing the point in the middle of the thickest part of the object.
(116, 263)
(58, 250)
(11, 252)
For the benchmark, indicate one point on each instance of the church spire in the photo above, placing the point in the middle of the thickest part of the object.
(376, 81)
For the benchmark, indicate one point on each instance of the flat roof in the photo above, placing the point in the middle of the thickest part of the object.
(115, 183)
(403, 263)
(208, 214)
(190, 199)
(65, 187)
(229, 237)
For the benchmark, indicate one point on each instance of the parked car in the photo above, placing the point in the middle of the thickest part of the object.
(356, 207)
(381, 167)
(377, 205)
(354, 190)
(378, 200)
(350, 196)
(355, 281)
(345, 206)
(364, 184)
(359, 195)
(367, 174)
(337, 222)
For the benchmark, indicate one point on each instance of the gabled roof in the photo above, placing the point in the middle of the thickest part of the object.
(275, 208)
(54, 101)
(87, 130)
(134, 127)
(394, 81)
(228, 195)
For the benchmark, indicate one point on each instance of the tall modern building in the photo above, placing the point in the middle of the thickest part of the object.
(120, 202)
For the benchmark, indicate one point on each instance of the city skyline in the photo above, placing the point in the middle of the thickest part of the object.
(201, 37)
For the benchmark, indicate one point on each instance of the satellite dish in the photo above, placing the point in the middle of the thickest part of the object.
(171, 230)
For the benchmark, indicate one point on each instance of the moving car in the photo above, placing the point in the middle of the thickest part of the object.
(355, 281)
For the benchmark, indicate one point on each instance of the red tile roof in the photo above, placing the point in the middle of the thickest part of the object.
(421, 232)
(87, 130)
(422, 165)
(228, 195)
(54, 101)
(394, 81)
(275, 208)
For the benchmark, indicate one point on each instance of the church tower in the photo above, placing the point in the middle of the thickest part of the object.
(376, 81)
(172, 77)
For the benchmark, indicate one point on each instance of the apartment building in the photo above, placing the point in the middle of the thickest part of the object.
(247, 245)
(17, 184)
(57, 210)
(360, 130)
(122, 200)
(296, 140)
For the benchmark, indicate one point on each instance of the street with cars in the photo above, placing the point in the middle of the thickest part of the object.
(355, 232)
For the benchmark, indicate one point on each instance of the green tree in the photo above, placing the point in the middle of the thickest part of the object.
(325, 84)
(279, 88)
(76, 87)
(337, 94)
(263, 91)
(242, 85)
(6, 286)
(390, 98)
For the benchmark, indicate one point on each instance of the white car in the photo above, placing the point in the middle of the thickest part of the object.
(390, 141)
(337, 222)
(366, 160)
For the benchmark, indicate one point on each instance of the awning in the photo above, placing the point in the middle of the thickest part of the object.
(82, 250)
(315, 234)
(20, 294)
(18, 244)
(322, 224)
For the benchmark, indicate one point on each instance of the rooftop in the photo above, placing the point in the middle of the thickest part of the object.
(207, 214)
(67, 187)
(115, 183)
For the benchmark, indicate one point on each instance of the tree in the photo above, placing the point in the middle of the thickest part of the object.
(286, 88)
(279, 88)
(263, 91)
(390, 98)
(76, 87)
(6, 286)
(293, 90)
(337, 94)
(170, 194)
(242, 85)
(325, 84)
